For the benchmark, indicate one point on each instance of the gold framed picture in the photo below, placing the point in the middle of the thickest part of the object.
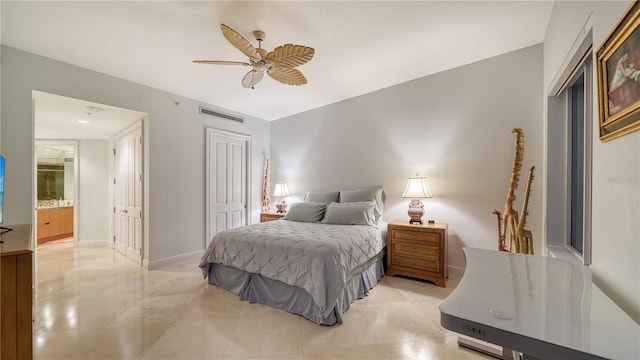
(618, 68)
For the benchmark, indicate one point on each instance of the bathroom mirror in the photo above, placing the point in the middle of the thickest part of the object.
(55, 172)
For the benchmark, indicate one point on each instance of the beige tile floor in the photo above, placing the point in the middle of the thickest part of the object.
(92, 303)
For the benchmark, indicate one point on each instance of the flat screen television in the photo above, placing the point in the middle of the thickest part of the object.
(2, 229)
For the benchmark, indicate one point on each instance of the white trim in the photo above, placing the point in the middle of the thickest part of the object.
(558, 244)
(561, 252)
(576, 54)
(135, 126)
(155, 264)
(456, 270)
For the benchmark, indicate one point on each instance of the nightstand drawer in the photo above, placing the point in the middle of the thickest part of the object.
(415, 263)
(429, 238)
(418, 249)
(264, 217)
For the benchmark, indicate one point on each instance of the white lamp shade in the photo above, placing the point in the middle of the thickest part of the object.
(281, 190)
(417, 188)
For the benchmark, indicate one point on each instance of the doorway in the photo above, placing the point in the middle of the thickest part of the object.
(92, 127)
(56, 185)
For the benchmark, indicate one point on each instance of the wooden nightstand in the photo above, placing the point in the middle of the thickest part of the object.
(418, 251)
(264, 217)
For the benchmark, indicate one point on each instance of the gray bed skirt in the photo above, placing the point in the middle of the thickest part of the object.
(256, 288)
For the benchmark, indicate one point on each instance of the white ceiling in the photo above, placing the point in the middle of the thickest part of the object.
(361, 46)
(59, 117)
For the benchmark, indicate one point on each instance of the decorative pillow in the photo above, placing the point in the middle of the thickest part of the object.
(353, 213)
(305, 212)
(322, 197)
(373, 193)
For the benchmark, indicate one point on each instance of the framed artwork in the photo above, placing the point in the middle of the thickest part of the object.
(618, 67)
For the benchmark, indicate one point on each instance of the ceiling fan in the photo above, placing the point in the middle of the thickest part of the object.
(279, 64)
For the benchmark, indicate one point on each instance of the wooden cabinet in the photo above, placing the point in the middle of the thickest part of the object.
(43, 221)
(67, 221)
(418, 251)
(55, 223)
(264, 217)
(16, 293)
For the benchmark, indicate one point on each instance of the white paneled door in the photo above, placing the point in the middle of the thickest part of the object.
(226, 179)
(128, 195)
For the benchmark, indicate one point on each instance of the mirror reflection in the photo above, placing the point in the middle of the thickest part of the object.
(55, 174)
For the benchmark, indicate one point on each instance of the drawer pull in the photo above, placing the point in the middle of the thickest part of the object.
(413, 261)
(414, 249)
(413, 236)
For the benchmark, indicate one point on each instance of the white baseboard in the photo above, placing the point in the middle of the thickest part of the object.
(456, 271)
(94, 243)
(173, 260)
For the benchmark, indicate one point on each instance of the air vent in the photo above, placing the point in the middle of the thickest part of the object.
(220, 115)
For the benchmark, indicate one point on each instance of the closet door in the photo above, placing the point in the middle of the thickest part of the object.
(226, 181)
(128, 195)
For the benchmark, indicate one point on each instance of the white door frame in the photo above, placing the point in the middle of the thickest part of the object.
(247, 140)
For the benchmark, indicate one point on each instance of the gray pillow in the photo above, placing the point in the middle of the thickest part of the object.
(322, 197)
(305, 212)
(372, 193)
(353, 213)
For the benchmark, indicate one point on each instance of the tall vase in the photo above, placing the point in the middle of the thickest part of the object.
(266, 202)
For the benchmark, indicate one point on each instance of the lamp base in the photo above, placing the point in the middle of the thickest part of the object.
(282, 207)
(416, 210)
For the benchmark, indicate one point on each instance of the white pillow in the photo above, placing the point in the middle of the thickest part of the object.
(305, 212)
(353, 213)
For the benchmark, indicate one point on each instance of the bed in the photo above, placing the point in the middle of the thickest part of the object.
(317, 260)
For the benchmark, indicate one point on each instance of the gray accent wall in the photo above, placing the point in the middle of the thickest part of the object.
(453, 127)
(174, 167)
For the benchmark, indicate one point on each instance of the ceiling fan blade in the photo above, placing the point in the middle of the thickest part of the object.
(221, 62)
(287, 75)
(252, 78)
(289, 55)
(240, 43)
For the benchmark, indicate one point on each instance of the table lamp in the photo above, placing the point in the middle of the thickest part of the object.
(417, 188)
(281, 191)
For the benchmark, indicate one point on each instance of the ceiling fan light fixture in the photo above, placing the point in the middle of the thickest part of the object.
(279, 63)
(259, 35)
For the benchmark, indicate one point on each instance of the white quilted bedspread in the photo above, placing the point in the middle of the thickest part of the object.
(314, 256)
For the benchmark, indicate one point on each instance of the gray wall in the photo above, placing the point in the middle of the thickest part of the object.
(93, 187)
(616, 164)
(174, 147)
(453, 127)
